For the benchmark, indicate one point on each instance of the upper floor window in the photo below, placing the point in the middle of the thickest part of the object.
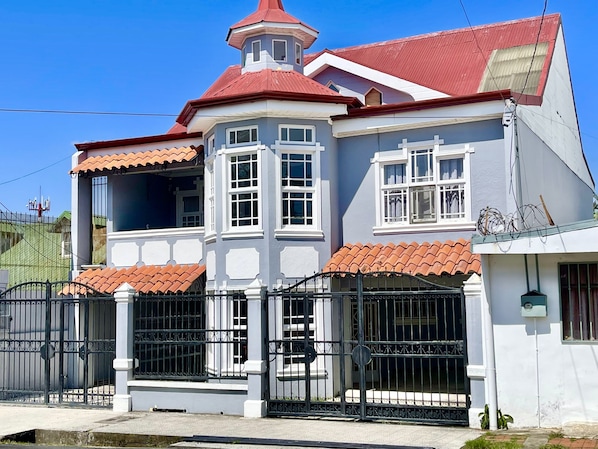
(279, 50)
(579, 300)
(298, 190)
(242, 136)
(298, 52)
(211, 145)
(244, 190)
(422, 185)
(256, 49)
(297, 134)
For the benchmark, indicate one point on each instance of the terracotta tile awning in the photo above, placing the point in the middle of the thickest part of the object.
(143, 159)
(146, 279)
(423, 259)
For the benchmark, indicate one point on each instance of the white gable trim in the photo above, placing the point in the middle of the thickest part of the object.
(206, 118)
(326, 60)
(424, 118)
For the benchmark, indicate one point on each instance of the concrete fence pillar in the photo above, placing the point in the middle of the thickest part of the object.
(3, 280)
(124, 363)
(476, 370)
(255, 366)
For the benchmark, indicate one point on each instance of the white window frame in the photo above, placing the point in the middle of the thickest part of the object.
(256, 55)
(298, 53)
(180, 212)
(253, 131)
(211, 144)
(210, 216)
(285, 130)
(313, 230)
(230, 231)
(293, 371)
(286, 56)
(414, 183)
(66, 250)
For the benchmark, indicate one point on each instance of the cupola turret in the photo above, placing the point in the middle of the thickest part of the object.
(270, 38)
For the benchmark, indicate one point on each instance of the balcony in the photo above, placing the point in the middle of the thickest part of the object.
(155, 246)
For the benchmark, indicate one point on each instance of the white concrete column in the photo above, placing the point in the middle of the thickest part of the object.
(81, 216)
(476, 370)
(3, 280)
(255, 406)
(124, 363)
(488, 334)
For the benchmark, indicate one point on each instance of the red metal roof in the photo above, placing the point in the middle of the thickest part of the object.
(142, 159)
(270, 11)
(234, 87)
(422, 259)
(146, 279)
(452, 62)
(268, 80)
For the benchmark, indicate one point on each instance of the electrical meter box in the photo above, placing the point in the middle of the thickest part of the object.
(533, 304)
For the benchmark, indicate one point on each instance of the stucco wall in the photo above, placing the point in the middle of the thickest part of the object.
(568, 198)
(541, 380)
(357, 190)
(269, 257)
(351, 85)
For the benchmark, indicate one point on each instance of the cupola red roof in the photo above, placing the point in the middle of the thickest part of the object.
(271, 18)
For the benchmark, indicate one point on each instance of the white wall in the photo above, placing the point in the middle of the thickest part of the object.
(535, 369)
(555, 122)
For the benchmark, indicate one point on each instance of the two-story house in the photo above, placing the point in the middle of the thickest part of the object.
(349, 162)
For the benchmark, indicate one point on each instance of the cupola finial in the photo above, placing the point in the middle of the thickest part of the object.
(270, 4)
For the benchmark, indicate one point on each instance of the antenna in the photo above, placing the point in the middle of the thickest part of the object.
(41, 207)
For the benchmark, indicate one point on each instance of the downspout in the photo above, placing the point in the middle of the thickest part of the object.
(488, 333)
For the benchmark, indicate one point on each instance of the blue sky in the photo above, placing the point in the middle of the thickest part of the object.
(151, 56)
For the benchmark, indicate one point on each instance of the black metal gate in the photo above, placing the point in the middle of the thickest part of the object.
(57, 344)
(376, 346)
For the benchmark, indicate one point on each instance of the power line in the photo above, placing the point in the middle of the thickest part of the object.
(74, 112)
(34, 172)
(531, 64)
(480, 48)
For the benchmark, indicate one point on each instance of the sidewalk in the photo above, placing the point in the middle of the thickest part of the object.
(84, 426)
(104, 427)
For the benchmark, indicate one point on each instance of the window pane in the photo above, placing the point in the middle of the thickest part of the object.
(308, 135)
(280, 50)
(297, 54)
(422, 166)
(452, 201)
(395, 205)
(284, 134)
(394, 174)
(579, 301)
(451, 169)
(191, 203)
(296, 134)
(256, 49)
(422, 204)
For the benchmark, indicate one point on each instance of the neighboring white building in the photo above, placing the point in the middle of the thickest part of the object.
(338, 166)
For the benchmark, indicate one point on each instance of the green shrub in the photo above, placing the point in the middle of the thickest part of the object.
(502, 422)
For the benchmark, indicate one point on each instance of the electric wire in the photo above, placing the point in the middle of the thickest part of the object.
(480, 48)
(531, 64)
(34, 172)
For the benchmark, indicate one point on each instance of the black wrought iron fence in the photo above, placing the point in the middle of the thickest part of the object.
(57, 344)
(190, 337)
